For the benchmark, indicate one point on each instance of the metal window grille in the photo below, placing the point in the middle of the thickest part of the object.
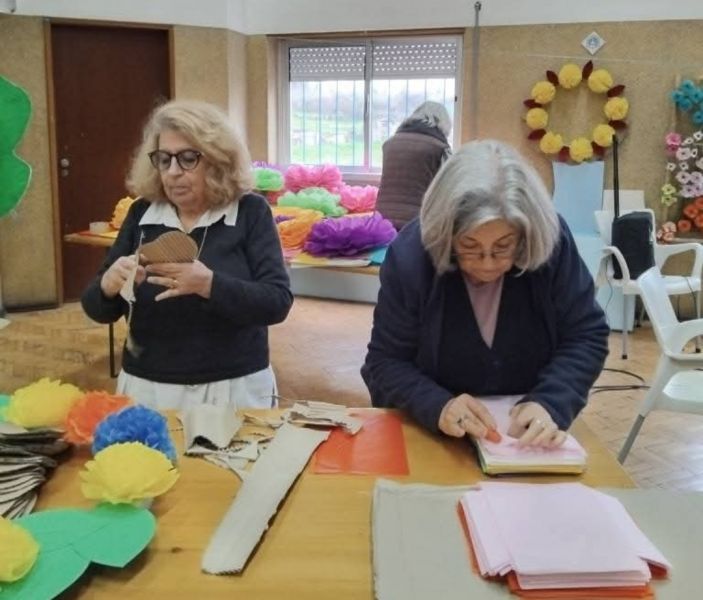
(346, 99)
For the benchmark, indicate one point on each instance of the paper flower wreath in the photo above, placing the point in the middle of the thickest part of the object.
(580, 148)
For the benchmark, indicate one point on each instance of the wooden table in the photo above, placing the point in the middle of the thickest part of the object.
(318, 545)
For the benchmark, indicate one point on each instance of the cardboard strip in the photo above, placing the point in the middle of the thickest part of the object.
(257, 500)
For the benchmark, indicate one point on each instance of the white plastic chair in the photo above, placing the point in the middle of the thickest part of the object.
(677, 385)
(675, 285)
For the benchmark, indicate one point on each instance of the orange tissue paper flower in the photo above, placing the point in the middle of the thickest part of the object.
(294, 225)
(684, 225)
(691, 210)
(87, 412)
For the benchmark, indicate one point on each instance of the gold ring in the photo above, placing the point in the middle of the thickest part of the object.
(174, 284)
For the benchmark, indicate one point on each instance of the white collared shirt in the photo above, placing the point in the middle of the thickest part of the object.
(164, 213)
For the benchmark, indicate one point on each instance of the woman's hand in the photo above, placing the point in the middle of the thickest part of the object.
(464, 414)
(532, 425)
(119, 272)
(180, 279)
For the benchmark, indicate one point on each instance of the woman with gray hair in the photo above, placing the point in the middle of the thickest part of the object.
(486, 295)
(411, 158)
(197, 329)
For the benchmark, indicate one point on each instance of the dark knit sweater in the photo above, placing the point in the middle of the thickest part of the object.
(190, 339)
(550, 342)
(411, 159)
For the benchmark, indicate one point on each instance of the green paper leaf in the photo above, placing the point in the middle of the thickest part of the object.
(122, 531)
(51, 574)
(15, 110)
(71, 539)
(4, 401)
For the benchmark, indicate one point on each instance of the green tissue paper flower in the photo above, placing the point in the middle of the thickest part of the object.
(316, 199)
(268, 180)
(15, 109)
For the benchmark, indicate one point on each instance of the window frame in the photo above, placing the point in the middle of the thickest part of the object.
(362, 174)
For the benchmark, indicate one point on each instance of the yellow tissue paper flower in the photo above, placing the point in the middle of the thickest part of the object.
(127, 473)
(600, 81)
(537, 118)
(603, 135)
(551, 143)
(543, 92)
(569, 76)
(120, 212)
(580, 149)
(18, 551)
(44, 403)
(616, 108)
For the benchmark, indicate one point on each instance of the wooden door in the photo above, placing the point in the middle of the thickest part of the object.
(106, 82)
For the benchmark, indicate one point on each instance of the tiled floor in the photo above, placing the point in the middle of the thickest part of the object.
(317, 353)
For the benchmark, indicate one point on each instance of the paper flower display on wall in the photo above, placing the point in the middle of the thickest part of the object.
(586, 146)
(684, 179)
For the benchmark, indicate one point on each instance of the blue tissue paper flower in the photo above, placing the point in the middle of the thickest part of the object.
(685, 104)
(135, 424)
(698, 117)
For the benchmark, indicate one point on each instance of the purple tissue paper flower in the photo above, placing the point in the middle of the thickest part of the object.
(349, 236)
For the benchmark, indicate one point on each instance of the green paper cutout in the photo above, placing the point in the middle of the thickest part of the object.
(4, 402)
(15, 174)
(70, 539)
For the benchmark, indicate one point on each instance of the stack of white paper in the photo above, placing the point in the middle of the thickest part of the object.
(563, 535)
(507, 456)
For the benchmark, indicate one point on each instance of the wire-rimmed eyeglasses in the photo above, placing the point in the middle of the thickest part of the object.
(186, 159)
(500, 253)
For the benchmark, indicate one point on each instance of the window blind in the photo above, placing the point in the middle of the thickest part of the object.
(326, 63)
(414, 59)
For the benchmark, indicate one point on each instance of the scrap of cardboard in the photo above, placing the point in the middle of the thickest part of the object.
(258, 498)
(209, 424)
(170, 247)
(311, 412)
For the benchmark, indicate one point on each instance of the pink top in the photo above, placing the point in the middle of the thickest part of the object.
(485, 300)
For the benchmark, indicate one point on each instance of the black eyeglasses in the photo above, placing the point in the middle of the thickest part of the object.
(186, 159)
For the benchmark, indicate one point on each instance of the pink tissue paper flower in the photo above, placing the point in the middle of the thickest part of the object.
(357, 198)
(300, 177)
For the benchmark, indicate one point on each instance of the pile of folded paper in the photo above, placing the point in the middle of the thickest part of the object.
(26, 461)
(565, 536)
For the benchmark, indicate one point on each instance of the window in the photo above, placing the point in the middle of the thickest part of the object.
(341, 100)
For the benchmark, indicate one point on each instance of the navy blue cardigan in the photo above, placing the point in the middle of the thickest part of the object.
(550, 343)
(190, 339)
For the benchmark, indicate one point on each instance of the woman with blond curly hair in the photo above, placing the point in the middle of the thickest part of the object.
(197, 330)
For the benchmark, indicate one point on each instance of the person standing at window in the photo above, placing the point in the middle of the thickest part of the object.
(198, 330)
(486, 295)
(411, 158)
